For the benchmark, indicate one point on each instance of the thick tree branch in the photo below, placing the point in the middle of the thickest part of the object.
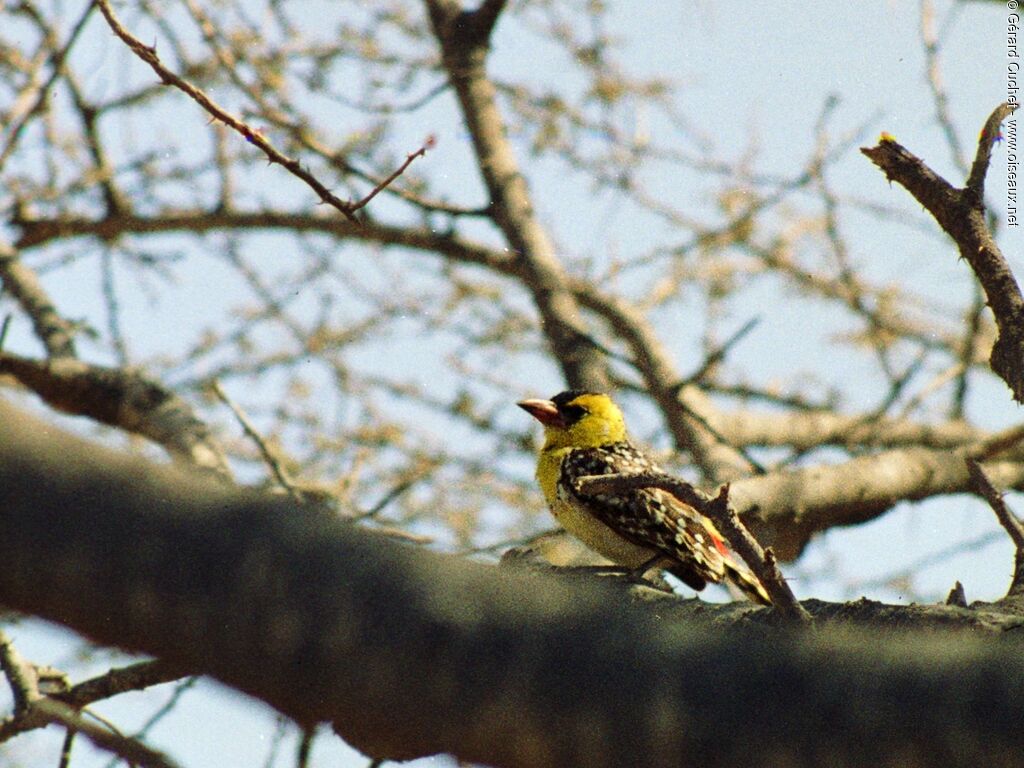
(464, 59)
(961, 214)
(803, 431)
(410, 653)
(56, 333)
(784, 509)
(123, 399)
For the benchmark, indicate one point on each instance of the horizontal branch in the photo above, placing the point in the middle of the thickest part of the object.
(134, 677)
(797, 503)
(410, 653)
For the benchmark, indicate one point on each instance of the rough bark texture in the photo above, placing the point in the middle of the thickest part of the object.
(410, 653)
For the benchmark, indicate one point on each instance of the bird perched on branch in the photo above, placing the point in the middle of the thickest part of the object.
(584, 434)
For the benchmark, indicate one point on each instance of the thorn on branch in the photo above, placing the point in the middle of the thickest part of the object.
(429, 143)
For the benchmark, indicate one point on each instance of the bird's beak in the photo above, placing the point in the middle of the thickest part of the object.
(544, 411)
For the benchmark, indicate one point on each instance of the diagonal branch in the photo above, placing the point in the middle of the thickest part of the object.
(124, 399)
(253, 136)
(1013, 526)
(56, 333)
(961, 214)
(511, 208)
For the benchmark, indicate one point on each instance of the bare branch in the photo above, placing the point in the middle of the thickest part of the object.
(511, 205)
(401, 652)
(961, 213)
(56, 333)
(30, 103)
(269, 457)
(983, 486)
(124, 399)
(256, 138)
(990, 134)
(398, 172)
(761, 561)
(21, 677)
(134, 677)
(128, 749)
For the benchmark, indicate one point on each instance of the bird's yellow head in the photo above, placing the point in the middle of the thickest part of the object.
(577, 419)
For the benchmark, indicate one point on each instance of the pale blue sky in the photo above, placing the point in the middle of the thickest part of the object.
(750, 73)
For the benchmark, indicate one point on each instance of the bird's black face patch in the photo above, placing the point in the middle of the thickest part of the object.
(564, 398)
(570, 412)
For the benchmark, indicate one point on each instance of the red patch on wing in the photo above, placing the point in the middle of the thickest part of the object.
(720, 546)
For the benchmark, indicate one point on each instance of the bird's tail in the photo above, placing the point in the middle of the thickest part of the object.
(741, 577)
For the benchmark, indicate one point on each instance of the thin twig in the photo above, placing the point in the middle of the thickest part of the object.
(1009, 521)
(428, 144)
(120, 680)
(16, 123)
(20, 675)
(399, 490)
(761, 562)
(5, 326)
(718, 354)
(65, 749)
(148, 54)
(128, 749)
(305, 747)
(269, 458)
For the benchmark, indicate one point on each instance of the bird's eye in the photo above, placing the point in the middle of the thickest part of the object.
(573, 413)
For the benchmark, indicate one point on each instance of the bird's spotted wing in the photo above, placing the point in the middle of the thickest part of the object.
(653, 518)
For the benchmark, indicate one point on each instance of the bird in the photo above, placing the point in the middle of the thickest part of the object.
(585, 434)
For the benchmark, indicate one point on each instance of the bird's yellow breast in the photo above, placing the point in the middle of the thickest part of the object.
(579, 521)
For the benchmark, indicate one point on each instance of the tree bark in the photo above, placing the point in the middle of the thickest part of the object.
(410, 653)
